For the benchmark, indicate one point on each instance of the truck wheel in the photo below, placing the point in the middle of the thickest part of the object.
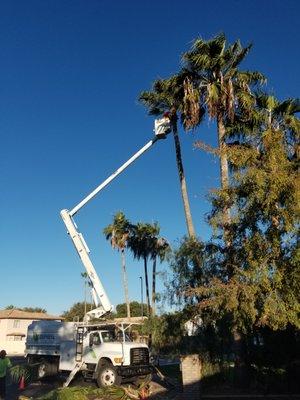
(42, 370)
(46, 369)
(107, 376)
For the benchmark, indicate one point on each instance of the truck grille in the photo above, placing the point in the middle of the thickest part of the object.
(139, 356)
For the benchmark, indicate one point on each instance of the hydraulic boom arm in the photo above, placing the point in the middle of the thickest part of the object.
(103, 305)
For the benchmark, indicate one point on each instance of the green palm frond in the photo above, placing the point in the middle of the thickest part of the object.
(199, 56)
(216, 45)
(293, 123)
(222, 87)
(178, 94)
(289, 106)
(251, 77)
(245, 100)
(89, 392)
(155, 103)
(278, 115)
(238, 55)
(26, 371)
(264, 101)
(212, 98)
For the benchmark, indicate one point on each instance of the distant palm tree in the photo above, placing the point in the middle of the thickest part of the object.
(118, 233)
(160, 249)
(276, 115)
(172, 96)
(271, 115)
(222, 89)
(87, 282)
(141, 244)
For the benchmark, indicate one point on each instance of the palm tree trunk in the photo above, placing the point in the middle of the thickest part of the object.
(237, 339)
(183, 187)
(239, 357)
(223, 170)
(147, 286)
(125, 284)
(153, 287)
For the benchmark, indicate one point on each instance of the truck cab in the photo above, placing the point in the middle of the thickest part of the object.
(103, 352)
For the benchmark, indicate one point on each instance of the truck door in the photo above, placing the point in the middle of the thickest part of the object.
(92, 344)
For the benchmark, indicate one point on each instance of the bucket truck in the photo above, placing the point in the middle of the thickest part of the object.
(103, 350)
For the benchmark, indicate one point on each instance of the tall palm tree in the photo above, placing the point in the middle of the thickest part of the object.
(141, 244)
(160, 249)
(222, 89)
(118, 233)
(172, 97)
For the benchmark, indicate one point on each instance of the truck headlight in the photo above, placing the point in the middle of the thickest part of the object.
(118, 360)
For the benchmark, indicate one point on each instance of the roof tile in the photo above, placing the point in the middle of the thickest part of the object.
(19, 314)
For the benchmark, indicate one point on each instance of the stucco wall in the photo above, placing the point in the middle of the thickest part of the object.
(10, 333)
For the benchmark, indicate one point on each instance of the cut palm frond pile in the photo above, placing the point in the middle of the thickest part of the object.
(90, 393)
(26, 371)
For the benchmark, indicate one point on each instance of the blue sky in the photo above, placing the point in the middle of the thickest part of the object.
(71, 73)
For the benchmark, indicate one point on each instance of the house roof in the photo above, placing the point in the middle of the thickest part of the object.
(19, 314)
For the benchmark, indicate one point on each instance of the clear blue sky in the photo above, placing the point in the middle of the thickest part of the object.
(71, 72)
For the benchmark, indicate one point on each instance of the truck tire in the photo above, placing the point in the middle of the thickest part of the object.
(46, 369)
(42, 370)
(108, 376)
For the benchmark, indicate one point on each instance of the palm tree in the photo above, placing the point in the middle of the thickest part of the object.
(222, 89)
(270, 116)
(160, 249)
(87, 283)
(141, 244)
(118, 233)
(276, 115)
(175, 97)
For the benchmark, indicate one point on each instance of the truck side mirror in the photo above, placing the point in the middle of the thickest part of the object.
(91, 339)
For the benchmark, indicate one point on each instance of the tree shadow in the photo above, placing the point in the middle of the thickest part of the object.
(234, 383)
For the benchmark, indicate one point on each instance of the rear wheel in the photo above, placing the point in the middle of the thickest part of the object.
(42, 370)
(108, 376)
(46, 369)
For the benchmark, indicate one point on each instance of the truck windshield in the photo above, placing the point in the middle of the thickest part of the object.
(108, 336)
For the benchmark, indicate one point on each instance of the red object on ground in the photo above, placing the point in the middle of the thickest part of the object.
(22, 383)
(144, 394)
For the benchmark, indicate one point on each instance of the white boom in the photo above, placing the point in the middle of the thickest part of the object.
(103, 305)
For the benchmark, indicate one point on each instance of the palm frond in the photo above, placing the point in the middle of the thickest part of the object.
(289, 106)
(217, 45)
(191, 105)
(212, 99)
(240, 54)
(251, 78)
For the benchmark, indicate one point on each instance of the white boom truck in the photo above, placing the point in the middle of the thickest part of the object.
(102, 351)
